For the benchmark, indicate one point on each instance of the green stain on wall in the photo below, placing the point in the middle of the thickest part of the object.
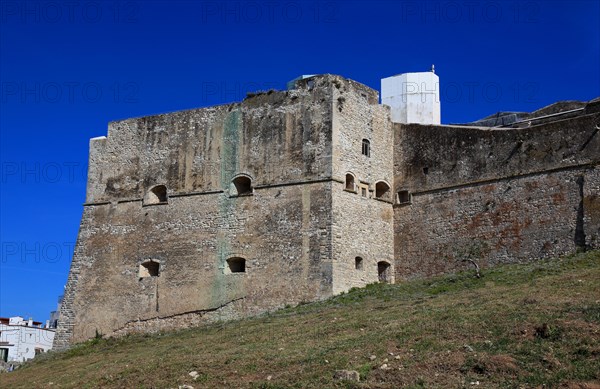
(229, 167)
(229, 153)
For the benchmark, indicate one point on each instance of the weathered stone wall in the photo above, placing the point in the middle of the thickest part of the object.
(590, 207)
(275, 138)
(64, 331)
(494, 196)
(431, 157)
(283, 231)
(512, 220)
(362, 225)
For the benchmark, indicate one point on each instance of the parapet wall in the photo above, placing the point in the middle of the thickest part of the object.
(435, 157)
(275, 138)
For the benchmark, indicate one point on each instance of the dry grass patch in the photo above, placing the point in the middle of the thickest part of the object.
(526, 326)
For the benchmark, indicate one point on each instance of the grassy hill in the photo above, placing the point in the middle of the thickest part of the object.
(517, 326)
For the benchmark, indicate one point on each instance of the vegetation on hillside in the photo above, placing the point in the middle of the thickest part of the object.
(535, 325)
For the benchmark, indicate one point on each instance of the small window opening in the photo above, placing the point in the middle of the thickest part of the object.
(363, 187)
(358, 263)
(366, 147)
(404, 197)
(149, 269)
(350, 184)
(4, 354)
(382, 190)
(242, 186)
(236, 265)
(426, 170)
(384, 271)
(156, 195)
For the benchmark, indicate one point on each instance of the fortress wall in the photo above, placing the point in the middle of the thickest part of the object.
(432, 157)
(283, 230)
(477, 193)
(591, 207)
(283, 233)
(64, 331)
(513, 220)
(362, 226)
(494, 196)
(276, 138)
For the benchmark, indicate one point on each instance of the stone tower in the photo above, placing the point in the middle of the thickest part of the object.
(229, 211)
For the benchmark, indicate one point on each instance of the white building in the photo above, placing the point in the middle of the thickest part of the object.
(21, 339)
(413, 97)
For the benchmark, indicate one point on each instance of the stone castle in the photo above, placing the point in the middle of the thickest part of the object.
(293, 196)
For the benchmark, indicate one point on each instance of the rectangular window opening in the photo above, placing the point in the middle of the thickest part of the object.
(363, 188)
(404, 197)
(366, 148)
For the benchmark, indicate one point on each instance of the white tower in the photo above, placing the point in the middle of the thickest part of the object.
(413, 97)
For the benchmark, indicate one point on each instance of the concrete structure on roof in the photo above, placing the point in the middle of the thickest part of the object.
(293, 196)
(21, 340)
(413, 97)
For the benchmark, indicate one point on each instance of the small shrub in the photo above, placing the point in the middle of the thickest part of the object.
(545, 331)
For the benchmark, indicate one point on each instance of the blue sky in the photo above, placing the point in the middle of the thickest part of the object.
(67, 69)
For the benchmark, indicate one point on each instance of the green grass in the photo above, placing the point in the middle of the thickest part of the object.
(517, 326)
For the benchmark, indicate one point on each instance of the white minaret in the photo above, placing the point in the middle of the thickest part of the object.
(413, 97)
